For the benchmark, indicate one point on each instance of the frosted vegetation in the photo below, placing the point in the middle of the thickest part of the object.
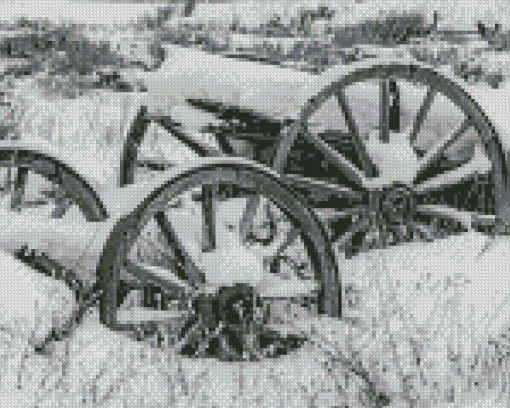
(77, 55)
(422, 326)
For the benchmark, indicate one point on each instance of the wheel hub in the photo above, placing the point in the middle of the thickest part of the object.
(240, 306)
(394, 204)
(233, 327)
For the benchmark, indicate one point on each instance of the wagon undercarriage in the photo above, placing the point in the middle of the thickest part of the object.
(443, 164)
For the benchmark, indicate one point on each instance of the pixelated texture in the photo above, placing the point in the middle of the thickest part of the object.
(240, 203)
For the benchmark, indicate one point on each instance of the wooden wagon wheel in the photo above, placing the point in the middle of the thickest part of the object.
(30, 179)
(409, 177)
(156, 250)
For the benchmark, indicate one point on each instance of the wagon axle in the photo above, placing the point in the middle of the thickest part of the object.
(231, 327)
(392, 204)
(229, 324)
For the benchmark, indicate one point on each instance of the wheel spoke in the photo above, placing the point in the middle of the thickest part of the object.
(439, 211)
(473, 192)
(364, 162)
(134, 139)
(384, 111)
(389, 109)
(425, 233)
(61, 209)
(385, 235)
(330, 216)
(209, 194)
(288, 137)
(360, 227)
(284, 235)
(399, 234)
(369, 238)
(35, 203)
(292, 235)
(174, 319)
(347, 212)
(62, 203)
(431, 164)
(184, 266)
(394, 107)
(421, 117)
(9, 181)
(339, 160)
(487, 224)
(18, 190)
(455, 177)
(142, 276)
(246, 225)
(6, 186)
(256, 221)
(444, 221)
(318, 190)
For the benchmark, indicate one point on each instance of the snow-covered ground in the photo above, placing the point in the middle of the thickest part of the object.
(416, 317)
(98, 366)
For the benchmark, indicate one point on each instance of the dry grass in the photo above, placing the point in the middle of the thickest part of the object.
(407, 305)
(97, 367)
(401, 338)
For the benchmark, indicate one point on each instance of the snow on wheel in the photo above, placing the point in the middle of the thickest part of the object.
(46, 204)
(403, 144)
(214, 302)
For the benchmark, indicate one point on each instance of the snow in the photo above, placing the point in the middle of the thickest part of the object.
(441, 299)
(30, 303)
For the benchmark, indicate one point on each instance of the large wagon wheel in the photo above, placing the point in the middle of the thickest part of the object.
(214, 302)
(32, 180)
(412, 176)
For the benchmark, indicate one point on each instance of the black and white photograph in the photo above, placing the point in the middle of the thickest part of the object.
(254, 203)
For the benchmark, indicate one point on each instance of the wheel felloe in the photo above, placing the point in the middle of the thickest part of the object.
(32, 180)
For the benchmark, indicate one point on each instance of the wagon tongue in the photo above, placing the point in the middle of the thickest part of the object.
(232, 328)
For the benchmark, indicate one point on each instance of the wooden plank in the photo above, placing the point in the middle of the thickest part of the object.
(133, 141)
